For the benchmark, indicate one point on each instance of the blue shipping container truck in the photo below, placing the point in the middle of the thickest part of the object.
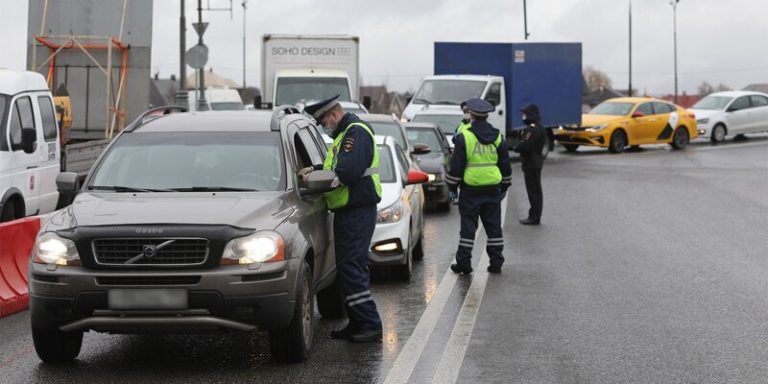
(546, 74)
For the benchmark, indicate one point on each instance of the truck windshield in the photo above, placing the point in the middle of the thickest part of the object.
(612, 109)
(451, 92)
(193, 161)
(713, 102)
(446, 123)
(291, 90)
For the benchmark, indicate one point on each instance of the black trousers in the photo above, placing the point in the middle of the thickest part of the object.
(535, 195)
(485, 205)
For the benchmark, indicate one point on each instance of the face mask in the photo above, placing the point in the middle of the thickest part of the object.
(466, 116)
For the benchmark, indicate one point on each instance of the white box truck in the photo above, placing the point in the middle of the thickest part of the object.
(302, 68)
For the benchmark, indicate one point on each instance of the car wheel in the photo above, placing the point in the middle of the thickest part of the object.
(56, 347)
(330, 301)
(418, 250)
(718, 134)
(680, 139)
(405, 271)
(11, 211)
(294, 343)
(618, 141)
(571, 147)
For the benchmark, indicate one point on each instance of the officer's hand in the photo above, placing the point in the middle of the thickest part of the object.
(453, 196)
(306, 171)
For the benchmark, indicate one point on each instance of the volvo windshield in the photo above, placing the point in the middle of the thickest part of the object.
(192, 161)
(291, 90)
(449, 92)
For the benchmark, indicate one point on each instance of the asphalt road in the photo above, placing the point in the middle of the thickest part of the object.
(648, 267)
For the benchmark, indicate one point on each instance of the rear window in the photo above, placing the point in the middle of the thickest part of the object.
(425, 136)
(389, 129)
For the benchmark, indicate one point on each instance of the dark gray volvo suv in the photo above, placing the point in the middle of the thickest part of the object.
(190, 222)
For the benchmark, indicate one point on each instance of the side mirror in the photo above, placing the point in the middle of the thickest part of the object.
(421, 149)
(416, 177)
(68, 184)
(319, 182)
(28, 140)
(732, 109)
(257, 101)
(637, 114)
(367, 102)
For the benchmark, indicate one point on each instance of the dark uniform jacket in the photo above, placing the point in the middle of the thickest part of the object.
(486, 134)
(532, 140)
(354, 157)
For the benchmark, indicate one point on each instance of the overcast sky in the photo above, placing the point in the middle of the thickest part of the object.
(719, 41)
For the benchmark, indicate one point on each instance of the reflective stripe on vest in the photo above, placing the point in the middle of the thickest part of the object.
(482, 159)
(339, 197)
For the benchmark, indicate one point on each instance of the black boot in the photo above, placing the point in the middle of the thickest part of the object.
(461, 269)
(344, 333)
(366, 335)
(529, 221)
(494, 268)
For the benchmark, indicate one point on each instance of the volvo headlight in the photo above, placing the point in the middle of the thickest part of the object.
(702, 121)
(391, 214)
(261, 247)
(50, 248)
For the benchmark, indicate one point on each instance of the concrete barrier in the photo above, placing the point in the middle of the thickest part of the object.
(16, 241)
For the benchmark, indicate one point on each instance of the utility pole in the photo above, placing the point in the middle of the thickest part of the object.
(202, 104)
(629, 92)
(182, 50)
(674, 22)
(245, 3)
(525, 20)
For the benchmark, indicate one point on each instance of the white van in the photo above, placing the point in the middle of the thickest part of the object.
(29, 146)
(219, 99)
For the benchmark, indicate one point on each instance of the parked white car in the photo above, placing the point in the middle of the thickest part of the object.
(29, 146)
(219, 99)
(398, 237)
(731, 113)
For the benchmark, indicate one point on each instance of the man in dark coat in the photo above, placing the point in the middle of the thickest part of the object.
(532, 140)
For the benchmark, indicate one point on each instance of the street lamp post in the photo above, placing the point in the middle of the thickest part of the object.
(525, 20)
(629, 91)
(245, 3)
(674, 26)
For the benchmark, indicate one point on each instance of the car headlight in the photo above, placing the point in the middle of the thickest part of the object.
(702, 121)
(391, 214)
(50, 248)
(261, 247)
(597, 128)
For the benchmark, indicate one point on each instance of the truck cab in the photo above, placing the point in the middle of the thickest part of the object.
(29, 146)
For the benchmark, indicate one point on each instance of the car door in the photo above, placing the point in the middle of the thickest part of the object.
(24, 167)
(641, 129)
(759, 121)
(667, 121)
(738, 115)
(315, 221)
(413, 195)
(50, 156)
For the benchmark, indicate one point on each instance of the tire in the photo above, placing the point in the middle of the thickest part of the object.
(11, 211)
(571, 147)
(330, 301)
(405, 271)
(55, 346)
(294, 343)
(680, 138)
(718, 134)
(618, 141)
(418, 250)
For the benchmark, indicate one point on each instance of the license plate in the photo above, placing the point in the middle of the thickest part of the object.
(431, 188)
(147, 299)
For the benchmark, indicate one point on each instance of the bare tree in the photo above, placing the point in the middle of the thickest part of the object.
(722, 88)
(705, 88)
(596, 79)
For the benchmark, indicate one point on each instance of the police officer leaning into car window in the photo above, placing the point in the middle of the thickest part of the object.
(355, 160)
(530, 146)
(480, 167)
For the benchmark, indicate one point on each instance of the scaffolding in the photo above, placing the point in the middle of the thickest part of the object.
(114, 100)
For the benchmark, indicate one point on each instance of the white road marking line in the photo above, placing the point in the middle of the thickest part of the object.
(411, 353)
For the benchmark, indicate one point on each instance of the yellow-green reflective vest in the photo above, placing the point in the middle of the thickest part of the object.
(482, 169)
(339, 197)
(463, 127)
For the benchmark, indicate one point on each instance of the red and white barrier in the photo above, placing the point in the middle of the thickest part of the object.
(16, 241)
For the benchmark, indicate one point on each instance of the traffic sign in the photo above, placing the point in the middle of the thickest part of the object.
(197, 56)
(200, 28)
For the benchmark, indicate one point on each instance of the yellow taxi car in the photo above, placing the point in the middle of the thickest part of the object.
(630, 121)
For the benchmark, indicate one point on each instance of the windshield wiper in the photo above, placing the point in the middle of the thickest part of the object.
(446, 102)
(213, 189)
(120, 188)
(423, 101)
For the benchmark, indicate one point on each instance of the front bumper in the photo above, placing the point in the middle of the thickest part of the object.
(389, 243)
(582, 137)
(222, 298)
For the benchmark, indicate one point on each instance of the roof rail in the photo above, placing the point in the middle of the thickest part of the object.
(279, 113)
(152, 114)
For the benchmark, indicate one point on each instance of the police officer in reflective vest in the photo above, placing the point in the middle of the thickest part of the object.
(465, 122)
(480, 167)
(354, 158)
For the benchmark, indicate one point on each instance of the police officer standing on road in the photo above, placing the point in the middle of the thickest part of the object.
(480, 167)
(530, 147)
(355, 160)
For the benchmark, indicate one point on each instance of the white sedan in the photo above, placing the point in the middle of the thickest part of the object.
(731, 113)
(399, 232)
